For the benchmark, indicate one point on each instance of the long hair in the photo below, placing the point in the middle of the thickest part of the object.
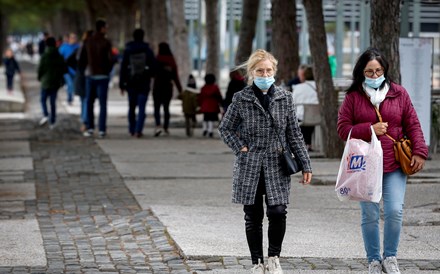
(256, 57)
(358, 71)
(164, 49)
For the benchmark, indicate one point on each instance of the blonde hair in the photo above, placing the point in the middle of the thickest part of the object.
(256, 57)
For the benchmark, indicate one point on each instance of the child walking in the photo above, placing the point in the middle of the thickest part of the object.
(210, 100)
(11, 66)
(190, 105)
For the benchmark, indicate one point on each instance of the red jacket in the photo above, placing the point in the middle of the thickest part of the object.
(210, 99)
(358, 113)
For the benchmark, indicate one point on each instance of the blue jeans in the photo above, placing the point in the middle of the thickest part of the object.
(84, 110)
(70, 88)
(52, 95)
(393, 195)
(97, 88)
(139, 100)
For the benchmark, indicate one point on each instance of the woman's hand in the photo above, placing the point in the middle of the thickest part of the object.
(417, 163)
(244, 149)
(380, 128)
(307, 178)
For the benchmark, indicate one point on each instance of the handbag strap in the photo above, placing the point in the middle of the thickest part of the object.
(276, 130)
(380, 120)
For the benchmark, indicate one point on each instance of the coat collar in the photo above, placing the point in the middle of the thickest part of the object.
(248, 94)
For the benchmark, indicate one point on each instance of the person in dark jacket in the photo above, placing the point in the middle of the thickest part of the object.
(166, 74)
(51, 70)
(11, 67)
(373, 88)
(210, 100)
(236, 83)
(259, 122)
(137, 68)
(97, 61)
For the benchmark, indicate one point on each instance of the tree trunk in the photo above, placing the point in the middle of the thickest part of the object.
(385, 32)
(159, 24)
(3, 30)
(180, 43)
(285, 38)
(212, 38)
(247, 30)
(328, 98)
(147, 21)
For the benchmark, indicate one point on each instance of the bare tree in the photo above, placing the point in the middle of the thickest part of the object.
(247, 30)
(212, 38)
(285, 38)
(180, 39)
(147, 20)
(385, 32)
(159, 23)
(328, 98)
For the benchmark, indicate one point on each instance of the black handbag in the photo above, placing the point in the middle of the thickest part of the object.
(291, 165)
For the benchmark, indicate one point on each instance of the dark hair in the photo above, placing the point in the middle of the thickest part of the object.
(138, 35)
(308, 73)
(358, 71)
(51, 42)
(164, 49)
(210, 79)
(191, 82)
(100, 23)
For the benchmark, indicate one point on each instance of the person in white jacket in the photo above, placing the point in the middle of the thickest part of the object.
(305, 93)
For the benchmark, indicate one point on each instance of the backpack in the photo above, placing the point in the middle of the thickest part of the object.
(138, 65)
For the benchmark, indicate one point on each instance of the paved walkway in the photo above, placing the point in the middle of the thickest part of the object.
(70, 204)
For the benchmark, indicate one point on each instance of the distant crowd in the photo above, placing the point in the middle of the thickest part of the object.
(86, 68)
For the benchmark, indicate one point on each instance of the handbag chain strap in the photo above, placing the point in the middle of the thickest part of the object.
(380, 120)
(276, 130)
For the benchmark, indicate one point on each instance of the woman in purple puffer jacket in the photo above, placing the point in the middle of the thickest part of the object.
(372, 87)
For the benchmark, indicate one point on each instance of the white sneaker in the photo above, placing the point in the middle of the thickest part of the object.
(43, 121)
(390, 266)
(273, 265)
(375, 268)
(88, 133)
(258, 268)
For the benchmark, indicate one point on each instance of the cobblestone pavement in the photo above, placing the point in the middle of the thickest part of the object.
(91, 223)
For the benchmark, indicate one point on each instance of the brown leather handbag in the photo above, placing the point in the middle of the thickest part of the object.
(402, 150)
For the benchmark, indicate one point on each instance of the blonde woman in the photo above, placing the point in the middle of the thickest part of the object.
(260, 121)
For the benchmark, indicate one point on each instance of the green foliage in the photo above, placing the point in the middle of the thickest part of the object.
(26, 16)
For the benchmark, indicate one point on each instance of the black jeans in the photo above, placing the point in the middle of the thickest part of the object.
(254, 215)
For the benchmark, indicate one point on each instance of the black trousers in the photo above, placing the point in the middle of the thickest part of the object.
(254, 215)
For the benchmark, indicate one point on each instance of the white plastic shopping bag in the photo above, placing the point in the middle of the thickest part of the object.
(361, 170)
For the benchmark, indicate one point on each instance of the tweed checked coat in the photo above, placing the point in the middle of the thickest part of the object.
(246, 123)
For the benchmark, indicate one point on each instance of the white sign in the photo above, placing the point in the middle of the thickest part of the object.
(416, 73)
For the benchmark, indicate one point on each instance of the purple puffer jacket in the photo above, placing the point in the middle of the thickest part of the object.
(358, 113)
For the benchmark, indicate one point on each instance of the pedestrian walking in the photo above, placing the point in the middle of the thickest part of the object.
(11, 67)
(166, 75)
(137, 68)
(51, 70)
(259, 122)
(68, 50)
(299, 78)
(42, 43)
(97, 61)
(305, 93)
(190, 105)
(79, 81)
(236, 83)
(372, 87)
(210, 100)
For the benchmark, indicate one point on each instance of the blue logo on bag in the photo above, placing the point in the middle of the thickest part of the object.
(356, 163)
(344, 190)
